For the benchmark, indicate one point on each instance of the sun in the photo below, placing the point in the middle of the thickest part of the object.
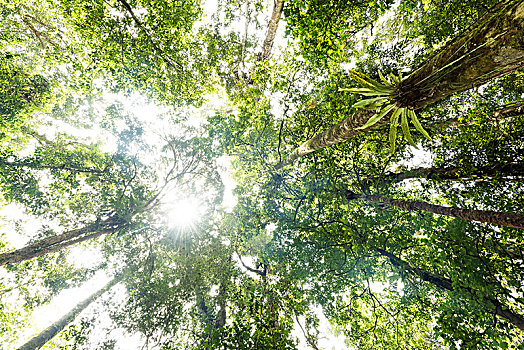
(185, 213)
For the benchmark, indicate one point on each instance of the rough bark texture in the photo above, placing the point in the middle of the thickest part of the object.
(55, 243)
(221, 298)
(446, 284)
(492, 47)
(47, 334)
(503, 172)
(340, 132)
(271, 30)
(510, 110)
(492, 217)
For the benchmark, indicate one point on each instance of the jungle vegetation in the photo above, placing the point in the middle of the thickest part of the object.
(241, 174)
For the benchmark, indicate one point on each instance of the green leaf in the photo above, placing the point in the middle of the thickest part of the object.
(383, 78)
(369, 101)
(374, 119)
(394, 78)
(393, 128)
(416, 122)
(405, 127)
(365, 91)
(375, 106)
(356, 90)
(364, 79)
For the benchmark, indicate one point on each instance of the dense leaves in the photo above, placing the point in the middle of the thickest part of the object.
(126, 128)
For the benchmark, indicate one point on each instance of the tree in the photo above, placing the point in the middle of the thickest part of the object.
(351, 234)
(47, 334)
(470, 60)
(498, 218)
(447, 284)
(21, 92)
(55, 243)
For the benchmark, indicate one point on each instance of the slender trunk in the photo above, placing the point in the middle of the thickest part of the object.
(55, 243)
(492, 47)
(503, 172)
(271, 30)
(340, 132)
(505, 112)
(510, 110)
(492, 217)
(446, 284)
(47, 334)
(221, 298)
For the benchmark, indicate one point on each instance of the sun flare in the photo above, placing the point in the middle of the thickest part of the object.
(185, 213)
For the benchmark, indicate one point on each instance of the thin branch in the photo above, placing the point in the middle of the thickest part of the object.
(176, 65)
(258, 272)
(280, 140)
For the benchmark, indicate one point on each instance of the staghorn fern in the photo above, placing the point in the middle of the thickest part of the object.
(383, 102)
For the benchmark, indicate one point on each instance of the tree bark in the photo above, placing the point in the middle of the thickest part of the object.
(505, 112)
(220, 321)
(446, 284)
(502, 172)
(47, 334)
(510, 110)
(491, 48)
(492, 217)
(271, 30)
(340, 132)
(55, 243)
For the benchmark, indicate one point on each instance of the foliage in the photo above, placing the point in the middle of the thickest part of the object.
(304, 243)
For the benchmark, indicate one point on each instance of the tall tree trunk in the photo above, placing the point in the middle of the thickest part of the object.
(510, 110)
(505, 112)
(47, 334)
(492, 47)
(222, 313)
(446, 284)
(271, 30)
(503, 172)
(55, 243)
(492, 217)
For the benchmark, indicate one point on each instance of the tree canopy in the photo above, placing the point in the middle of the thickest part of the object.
(262, 174)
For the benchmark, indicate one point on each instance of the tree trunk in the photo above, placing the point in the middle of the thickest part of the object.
(505, 112)
(510, 110)
(446, 284)
(47, 334)
(503, 172)
(491, 48)
(221, 298)
(492, 217)
(271, 30)
(55, 243)
(340, 132)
